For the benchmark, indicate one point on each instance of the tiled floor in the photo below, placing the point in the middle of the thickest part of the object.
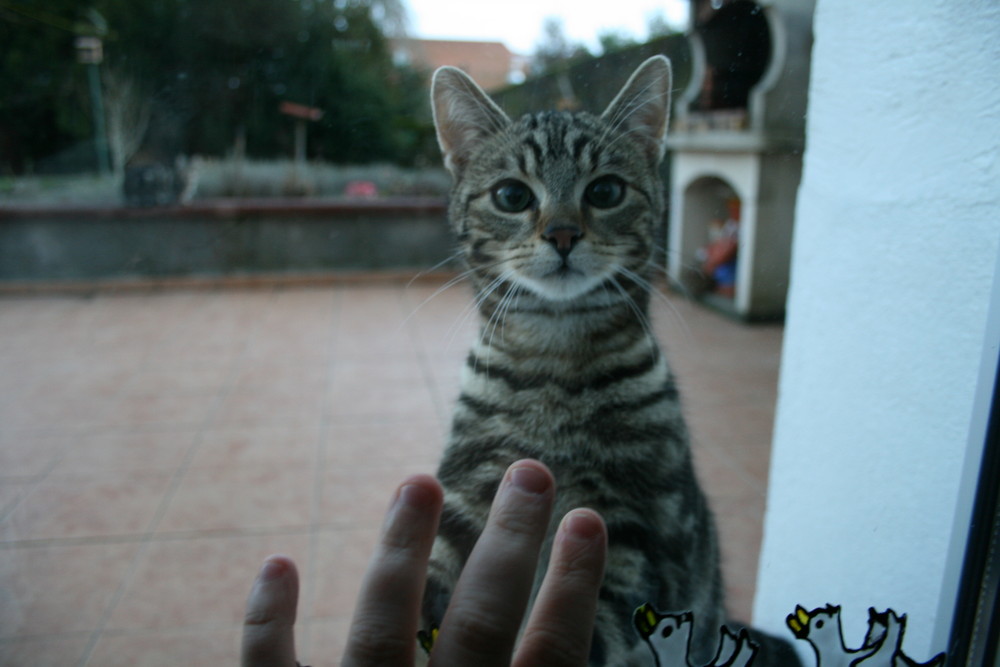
(154, 447)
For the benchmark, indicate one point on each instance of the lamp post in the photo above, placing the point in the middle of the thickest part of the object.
(301, 113)
(90, 52)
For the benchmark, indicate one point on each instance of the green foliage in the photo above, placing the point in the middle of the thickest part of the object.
(42, 104)
(614, 40)
(213, 73)
(555, 51)
(593, 82)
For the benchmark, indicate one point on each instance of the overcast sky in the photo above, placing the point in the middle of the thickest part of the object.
(518, 23)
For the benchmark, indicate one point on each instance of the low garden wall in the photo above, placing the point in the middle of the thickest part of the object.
(221, 238)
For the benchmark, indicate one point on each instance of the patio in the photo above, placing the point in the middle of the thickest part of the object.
(155, 446)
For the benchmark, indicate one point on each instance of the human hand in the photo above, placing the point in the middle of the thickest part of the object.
(490, 599)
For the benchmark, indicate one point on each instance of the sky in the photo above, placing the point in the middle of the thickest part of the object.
(518, 23)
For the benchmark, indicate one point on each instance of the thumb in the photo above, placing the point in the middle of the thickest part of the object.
(268, 627)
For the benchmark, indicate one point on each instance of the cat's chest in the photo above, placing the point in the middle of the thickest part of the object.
(556, 402)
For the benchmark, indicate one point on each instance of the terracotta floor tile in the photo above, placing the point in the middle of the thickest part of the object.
(64, 413)
(189, 583)
(241, 498)
(44, 652)
(197, 351)
(739, 523)
(356, 497)
(49, 590)
(341, 560)
(450, 337)
(102, 505)
(86, 375)
(165, 648)
(292, 341)
(178, 379)
(104, 399)
(721, 477)
(380, 402)
(395, 443)
(752, 461)
(271, 375)
(10, 494)
(163, 410)
(27, 455)
(372, 342)
(301, 408)
(263, 446)
(372, 372)
(112, 451)
(321, 642)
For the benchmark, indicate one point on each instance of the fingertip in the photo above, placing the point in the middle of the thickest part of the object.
(584, 525)
(531, 476)
(275, 567)
(420, 492)
(530, 463)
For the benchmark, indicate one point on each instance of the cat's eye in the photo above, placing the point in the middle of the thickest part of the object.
(512, 196)
(605, 192)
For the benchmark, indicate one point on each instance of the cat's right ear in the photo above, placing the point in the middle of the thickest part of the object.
(464, 116)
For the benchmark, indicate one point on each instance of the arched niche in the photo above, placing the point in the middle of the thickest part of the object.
(711, 211)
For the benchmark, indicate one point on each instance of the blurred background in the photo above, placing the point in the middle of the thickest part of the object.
(229, 319)
(219, 98)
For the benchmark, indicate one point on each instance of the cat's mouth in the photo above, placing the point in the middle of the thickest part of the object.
(560, 283)
(565, 272)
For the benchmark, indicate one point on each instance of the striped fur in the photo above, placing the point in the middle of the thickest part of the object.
(566, 369)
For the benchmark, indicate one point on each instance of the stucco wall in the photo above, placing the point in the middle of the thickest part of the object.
(896, 241)
(220, 238)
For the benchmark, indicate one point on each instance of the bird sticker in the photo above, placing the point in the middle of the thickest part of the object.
(882, 645)
(669, 638)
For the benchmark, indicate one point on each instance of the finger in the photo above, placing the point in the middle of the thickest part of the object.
(486, 609)
(268, 626)
(384, 628)
(561, 625)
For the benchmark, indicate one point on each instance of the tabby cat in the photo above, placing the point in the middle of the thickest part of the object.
(555, 215)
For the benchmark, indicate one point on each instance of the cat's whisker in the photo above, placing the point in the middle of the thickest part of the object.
(660, 296)
(487, 292)
(457, 255)
(451, 282)
(469, 310)
(498, 319)
(637, 311)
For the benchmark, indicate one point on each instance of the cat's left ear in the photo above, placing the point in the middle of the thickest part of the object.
(642, 108)
(464, 116)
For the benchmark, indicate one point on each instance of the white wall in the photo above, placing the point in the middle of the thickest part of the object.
(896, 241)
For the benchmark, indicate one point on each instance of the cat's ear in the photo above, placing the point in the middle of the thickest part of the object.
(464, 115)
(642, 108)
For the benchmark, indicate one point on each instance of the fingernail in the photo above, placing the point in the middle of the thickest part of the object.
(416, 495)
(529, 479)
(272, 569)
(583, 525)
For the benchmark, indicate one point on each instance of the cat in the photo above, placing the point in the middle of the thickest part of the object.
(555, 216)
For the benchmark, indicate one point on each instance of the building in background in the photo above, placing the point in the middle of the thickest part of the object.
(491, 64)
(736, 153)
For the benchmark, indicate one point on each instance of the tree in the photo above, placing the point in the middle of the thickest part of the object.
(555, 50)
(44, 109)
(200, 73)
(657, 25)
(128, 108)
(614, 40)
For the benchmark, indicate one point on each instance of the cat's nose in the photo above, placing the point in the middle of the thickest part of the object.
(563, 238)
